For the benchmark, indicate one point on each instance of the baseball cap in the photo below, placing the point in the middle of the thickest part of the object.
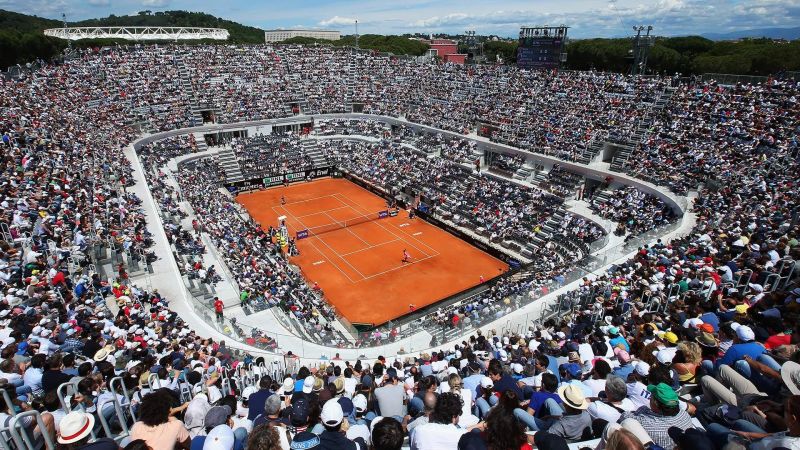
(220, 438)
(299, 414)
(665, 356)
(217, 415)
(487, 383)
(308, 384)
(332, 413)
(360, 403)
(642, 368)
(571, 368)
(663, 394)
(670, 337)
(745, 333)
(347, 406)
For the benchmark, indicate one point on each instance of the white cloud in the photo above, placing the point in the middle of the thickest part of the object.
(337, 21)
(99, 2)
(155, 3)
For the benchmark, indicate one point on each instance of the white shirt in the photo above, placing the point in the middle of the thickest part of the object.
(436, 436)
(33, 378)
(597, 386)
(602, 410)
(11, 377)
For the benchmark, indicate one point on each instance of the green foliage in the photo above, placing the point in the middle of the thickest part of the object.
(688, 55)
(506, 50)
(397, 45)
(21, 38)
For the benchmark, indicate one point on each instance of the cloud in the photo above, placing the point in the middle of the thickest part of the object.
(99, 2)
(615, 17)
(337, 21)
(155, 3)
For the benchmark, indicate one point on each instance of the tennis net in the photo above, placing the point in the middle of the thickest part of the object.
(339, 224)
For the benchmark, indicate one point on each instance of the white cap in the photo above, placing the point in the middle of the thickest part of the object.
(308, 384)
(745, 333)
(360, 403)
(332, 413)
(517, 368)
(487, 383)
(665, 356)
(219, 438)
(503, 355)
(642, 368)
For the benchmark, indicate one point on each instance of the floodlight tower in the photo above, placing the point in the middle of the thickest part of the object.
(357, 33)
(64, 19)
(641, 49)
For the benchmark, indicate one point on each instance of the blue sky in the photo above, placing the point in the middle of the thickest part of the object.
(588, 18)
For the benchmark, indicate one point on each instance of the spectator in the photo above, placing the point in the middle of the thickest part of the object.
(157, 427)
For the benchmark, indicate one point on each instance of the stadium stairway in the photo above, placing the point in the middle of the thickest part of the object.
(621, 160)
(226, 159)
(200, 142)
(352, 73)
(311, 149)
(186, 82)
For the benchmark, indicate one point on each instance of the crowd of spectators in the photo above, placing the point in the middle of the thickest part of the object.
(634, 211)
(689, 344)
(266, 155)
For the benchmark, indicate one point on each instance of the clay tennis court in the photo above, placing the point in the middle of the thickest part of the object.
(359, 266)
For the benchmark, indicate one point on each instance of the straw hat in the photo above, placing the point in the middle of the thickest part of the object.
(572, 396)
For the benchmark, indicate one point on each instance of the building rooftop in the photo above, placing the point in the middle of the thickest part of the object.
(303, 29)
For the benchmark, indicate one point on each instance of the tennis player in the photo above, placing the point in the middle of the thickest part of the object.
(406, 257)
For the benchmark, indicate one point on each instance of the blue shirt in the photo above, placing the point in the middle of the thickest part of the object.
(711, 319)
(472, 382)
(256, 402)
(506, 383)
(620, 340)
(623, 371)
(552, 366)
(737, 352)
(537, 401)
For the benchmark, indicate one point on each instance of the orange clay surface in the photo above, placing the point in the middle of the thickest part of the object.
(359, 266)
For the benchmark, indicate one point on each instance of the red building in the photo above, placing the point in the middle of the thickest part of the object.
(446, 49)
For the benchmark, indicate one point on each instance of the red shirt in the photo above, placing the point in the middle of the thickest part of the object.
(777, 341)
(218, 306)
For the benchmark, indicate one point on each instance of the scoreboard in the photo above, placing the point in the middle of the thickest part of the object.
(541, 48)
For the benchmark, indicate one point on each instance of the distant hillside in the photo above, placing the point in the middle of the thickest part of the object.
(789, 34)
(397, 45)
(21, 38)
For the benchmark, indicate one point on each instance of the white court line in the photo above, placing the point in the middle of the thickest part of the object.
(369, 248)
(390, 231)
(310, 200)
(325, 211)
(344, 226)
(414, 261)
(289, 215)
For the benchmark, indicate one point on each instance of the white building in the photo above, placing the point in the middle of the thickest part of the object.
(282, 35)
